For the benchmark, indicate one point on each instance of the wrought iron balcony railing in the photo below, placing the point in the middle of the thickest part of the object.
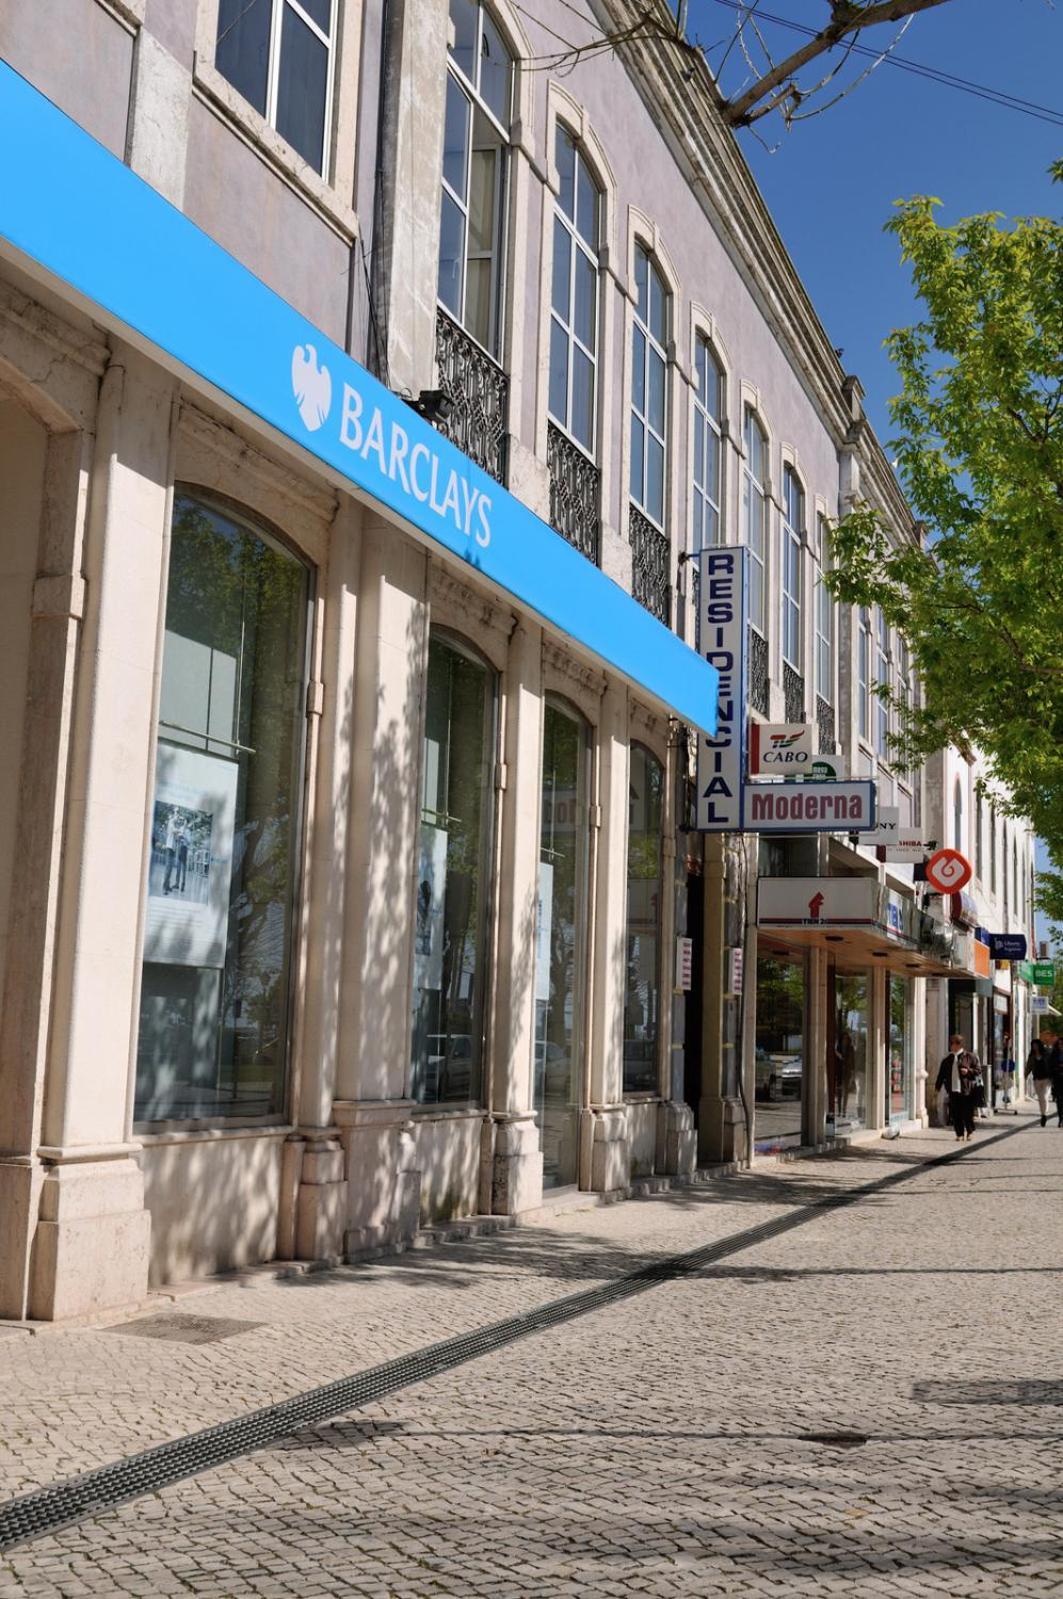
(793, 688)
(478, 391)
(825, 722)
(649, 566)
(759, 690)
(575, 494)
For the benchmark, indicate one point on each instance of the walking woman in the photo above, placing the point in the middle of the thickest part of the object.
(958, 1074)
(1039, 1067)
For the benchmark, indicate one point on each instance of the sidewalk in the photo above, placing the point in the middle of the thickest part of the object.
(72, 1399)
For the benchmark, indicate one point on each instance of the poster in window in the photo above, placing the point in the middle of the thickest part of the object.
(428, 921)
(190, 870)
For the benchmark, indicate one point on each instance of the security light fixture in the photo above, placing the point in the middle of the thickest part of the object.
(435, 405)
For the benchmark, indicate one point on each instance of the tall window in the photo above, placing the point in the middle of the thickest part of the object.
(863, 672)
(992, 849)
(574, 297)
(882, 680)
(475, 150)
(642, 992)
(649, 376)
(214, 1006)
(957, 816)
(708, 420)
(754, 506)
(978, 825)
(824, 621)
(453, 871)
(278, 55)
(793, 537)
(904, 686)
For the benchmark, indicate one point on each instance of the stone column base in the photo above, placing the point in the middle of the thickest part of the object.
(512, 1166)
(677, 1142)
(20, 1184)
(321, 1203)
(721, 1131)
(606, 1149)
(383, 1209)
(90, 1251)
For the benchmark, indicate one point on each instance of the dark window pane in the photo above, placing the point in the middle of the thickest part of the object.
(451, 255)
(638, 447)
(585, 309)
(558, 373)
(638, 370)
(587, 207)
(642, 988)
(456, 138)
(658, 307)
(565, 156)
(242, 52)
(656, 401)
(701, 361)
(582, 399)
(562, 270)
(642, 293)
(301, 88)
(496, 71)
(318, 11)
(655, 480)
(464, 14)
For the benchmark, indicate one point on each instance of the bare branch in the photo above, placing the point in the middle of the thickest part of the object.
(846, 18)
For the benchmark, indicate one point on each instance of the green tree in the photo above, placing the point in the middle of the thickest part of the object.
(979, 447)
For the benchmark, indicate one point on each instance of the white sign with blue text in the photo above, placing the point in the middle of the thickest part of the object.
(722, 643)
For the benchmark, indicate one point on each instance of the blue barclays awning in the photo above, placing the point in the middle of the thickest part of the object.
(71, 208)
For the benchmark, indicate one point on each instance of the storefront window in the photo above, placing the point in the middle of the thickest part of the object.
(452, 873)
(642, 996)
(214, 1008)
(560, 944)
(848, 1085)
(899, 1076)
(780, 1051)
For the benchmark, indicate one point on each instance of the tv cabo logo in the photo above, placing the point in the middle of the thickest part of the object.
(415, 467)
(311, 385)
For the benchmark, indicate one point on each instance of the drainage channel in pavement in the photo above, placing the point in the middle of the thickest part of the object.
(63, 1504)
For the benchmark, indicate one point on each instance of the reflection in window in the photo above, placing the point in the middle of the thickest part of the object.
(475, 150)
(754, 514)
(708, 421)
(899, 1083)
(847, 1071)
(793, 536)
(449, 962)
(560, 944)
(780, 1050)
(882, 679)
(277, 55)
(574, 295)
(643, 979)
(649, 378)
(824, 622)
(863, 671)
(214, 1010)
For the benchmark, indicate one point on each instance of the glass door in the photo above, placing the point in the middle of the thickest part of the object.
(848, 1082)
(899, 1062)
(560, 955)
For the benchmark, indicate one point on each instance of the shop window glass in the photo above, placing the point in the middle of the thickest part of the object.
(449, 961)
(847, 1088)
(642, 996)
(214, 1009)
(277, 54)
(560, 943)
(899, 1080)
(780, 1051)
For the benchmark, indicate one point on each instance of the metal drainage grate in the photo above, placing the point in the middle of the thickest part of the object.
(176, 1329)
(46, 1510)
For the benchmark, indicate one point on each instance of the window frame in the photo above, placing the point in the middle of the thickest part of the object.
(662, 767)
(652, 348)
(883, 678)
(751, 484)
(826, 640)
(500, 203)
(331, 43)
(711, 426)
(572, 338)
(863, 673)
(792, 542)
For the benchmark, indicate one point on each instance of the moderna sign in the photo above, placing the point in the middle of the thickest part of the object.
(77, 214)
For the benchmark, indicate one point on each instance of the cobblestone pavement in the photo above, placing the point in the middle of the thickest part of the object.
(664, 1445)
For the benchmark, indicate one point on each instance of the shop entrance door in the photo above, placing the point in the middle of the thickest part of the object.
(848, 1016)
(560, 952)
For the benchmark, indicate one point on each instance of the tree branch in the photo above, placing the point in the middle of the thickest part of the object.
(846, 18)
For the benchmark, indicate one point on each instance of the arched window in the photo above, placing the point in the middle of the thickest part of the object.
(649, 388)
(793, 539)
(708, 440)
(450, 961)
(644, 886)
(824, 621)
(574, 295)
(475, 159)
(754, 514)
(957, 816)
(225, 823)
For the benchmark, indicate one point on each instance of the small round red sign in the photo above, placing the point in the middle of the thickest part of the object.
(947, 871)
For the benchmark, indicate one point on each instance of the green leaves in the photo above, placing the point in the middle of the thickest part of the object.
(979, 448)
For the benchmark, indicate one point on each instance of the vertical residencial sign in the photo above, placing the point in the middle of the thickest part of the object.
(722, 642)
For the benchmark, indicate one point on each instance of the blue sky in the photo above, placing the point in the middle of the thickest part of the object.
(832, 181)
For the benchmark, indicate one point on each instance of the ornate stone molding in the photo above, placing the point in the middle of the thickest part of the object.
(565, 674)
(466, 610)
